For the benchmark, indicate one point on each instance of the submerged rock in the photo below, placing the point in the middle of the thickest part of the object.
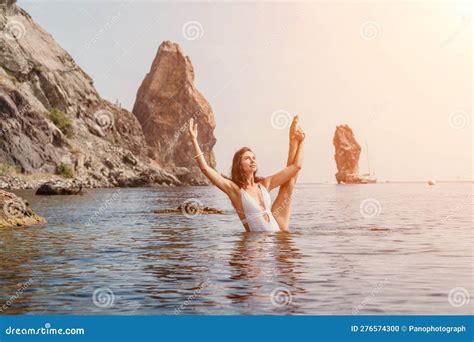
(15, 211)
(166, 100)
(186, 210)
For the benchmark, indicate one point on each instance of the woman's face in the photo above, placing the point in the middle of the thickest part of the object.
(248, 162)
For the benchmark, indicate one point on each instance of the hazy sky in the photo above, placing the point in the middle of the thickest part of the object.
(399, 74)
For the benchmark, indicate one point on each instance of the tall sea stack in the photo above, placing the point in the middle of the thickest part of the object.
(346, 155)
(166, 100)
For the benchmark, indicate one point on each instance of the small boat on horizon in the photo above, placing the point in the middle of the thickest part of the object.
(368, 178)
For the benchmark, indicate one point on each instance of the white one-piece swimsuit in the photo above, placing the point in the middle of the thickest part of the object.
(256, 218)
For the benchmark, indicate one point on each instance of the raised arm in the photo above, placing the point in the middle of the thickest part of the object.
(288, 172)
(222, 183)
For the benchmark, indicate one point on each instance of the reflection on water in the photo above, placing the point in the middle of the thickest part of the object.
(107, 253)
(260, 263)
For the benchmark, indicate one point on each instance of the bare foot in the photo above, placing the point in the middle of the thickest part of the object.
(299, 135)
(293, 128)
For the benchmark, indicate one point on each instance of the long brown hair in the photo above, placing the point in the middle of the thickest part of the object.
(237, 174)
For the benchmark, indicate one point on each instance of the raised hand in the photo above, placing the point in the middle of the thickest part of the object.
(193, 128)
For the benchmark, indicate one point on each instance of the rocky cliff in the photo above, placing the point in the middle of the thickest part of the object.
(347, 155)
(53, 121)
(166, 100)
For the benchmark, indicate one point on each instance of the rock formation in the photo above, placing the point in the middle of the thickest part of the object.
(56, 188)
(15, 211)
(347, 155)
(191, 211)
(52, 120)
(166, 100)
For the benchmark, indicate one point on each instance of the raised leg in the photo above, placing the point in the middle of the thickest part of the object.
(281, 207)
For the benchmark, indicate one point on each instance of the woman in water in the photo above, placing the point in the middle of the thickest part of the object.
(249, 193)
